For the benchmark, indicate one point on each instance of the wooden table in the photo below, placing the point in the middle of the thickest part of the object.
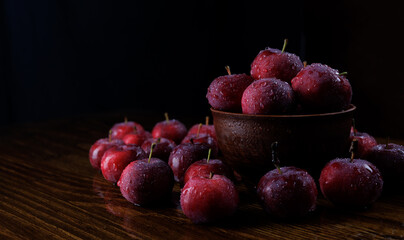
(48, 190)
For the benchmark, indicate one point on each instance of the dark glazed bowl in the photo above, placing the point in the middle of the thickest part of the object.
(305, 141)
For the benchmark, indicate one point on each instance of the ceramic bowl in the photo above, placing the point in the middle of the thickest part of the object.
(305, 141)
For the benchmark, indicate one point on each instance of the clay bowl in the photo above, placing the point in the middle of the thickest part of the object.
(305, 141)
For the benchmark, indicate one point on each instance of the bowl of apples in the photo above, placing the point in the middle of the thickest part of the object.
(306, 109)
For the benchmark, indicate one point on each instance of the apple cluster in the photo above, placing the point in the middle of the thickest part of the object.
(388, 157)
(289, 192)
(145, 166)
(279, 83)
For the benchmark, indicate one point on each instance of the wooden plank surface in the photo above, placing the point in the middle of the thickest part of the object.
(48, 190)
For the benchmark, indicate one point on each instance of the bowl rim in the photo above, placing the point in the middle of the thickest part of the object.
(350, 109)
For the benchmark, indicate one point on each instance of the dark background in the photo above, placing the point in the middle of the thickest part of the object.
(72, 58)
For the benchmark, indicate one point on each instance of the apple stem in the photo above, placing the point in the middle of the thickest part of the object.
(166, 116)
(151, 151)
(125, 119)
(353, 148)
(210, 175)
(275, 159)
(209, 152)
(343, 73)
(110, 136)
(228, 70)
(387, 142)
(158, 140)
(199, 129)
(285, 42)
(207, 120)
(304, 63)
(354, 127)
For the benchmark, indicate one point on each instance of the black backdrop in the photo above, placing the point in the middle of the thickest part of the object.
(68, 58)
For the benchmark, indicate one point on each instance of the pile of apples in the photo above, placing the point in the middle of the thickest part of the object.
(145, 165)
(280, 83)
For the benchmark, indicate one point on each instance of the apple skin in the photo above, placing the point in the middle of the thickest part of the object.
(390, 161)
(272, 63)
(225, 92)
(206, 200)
(289, 195)
(171, 129)
(204, 139)
(161, 150)
(268, 96)
(119, 130)
(365, 143)
(136, 137)
(320, 88)
(117, 158)
(203, 168)
(183, 156)
(98, 149)
(146, 183)
(356, 184)
(207, 129)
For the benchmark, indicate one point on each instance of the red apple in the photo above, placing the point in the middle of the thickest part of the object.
(207, 129)
(98, 149)
(136, 137)
(365, 143)
(209, 199)
(287, 192)
(146, 181)
(205, 167)
(268, 96)
(274, 63)
(351, 182)
(202, 138)
(162, 149)
(171, 129)
(389, 158)
(320, 88)
(119, 130)
(183, 156)
(225, 92)
(117, 158)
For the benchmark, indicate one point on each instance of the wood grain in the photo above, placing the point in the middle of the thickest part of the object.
(48, 190)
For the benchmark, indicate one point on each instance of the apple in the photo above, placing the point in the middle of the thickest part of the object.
(147, 181)
(287, 192)
(320, 88)
(205, 167)
(98, 149)
(183, 156)
(162, 149)
(119, 130)
(268, 96)
(171, 129)
(225, 92)
(351, 182)
(117, 158)
(207, 129)
(389, 158)
(136, 137)
(365, 142)
(203, 138)
(209, 199)
(275, 63)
